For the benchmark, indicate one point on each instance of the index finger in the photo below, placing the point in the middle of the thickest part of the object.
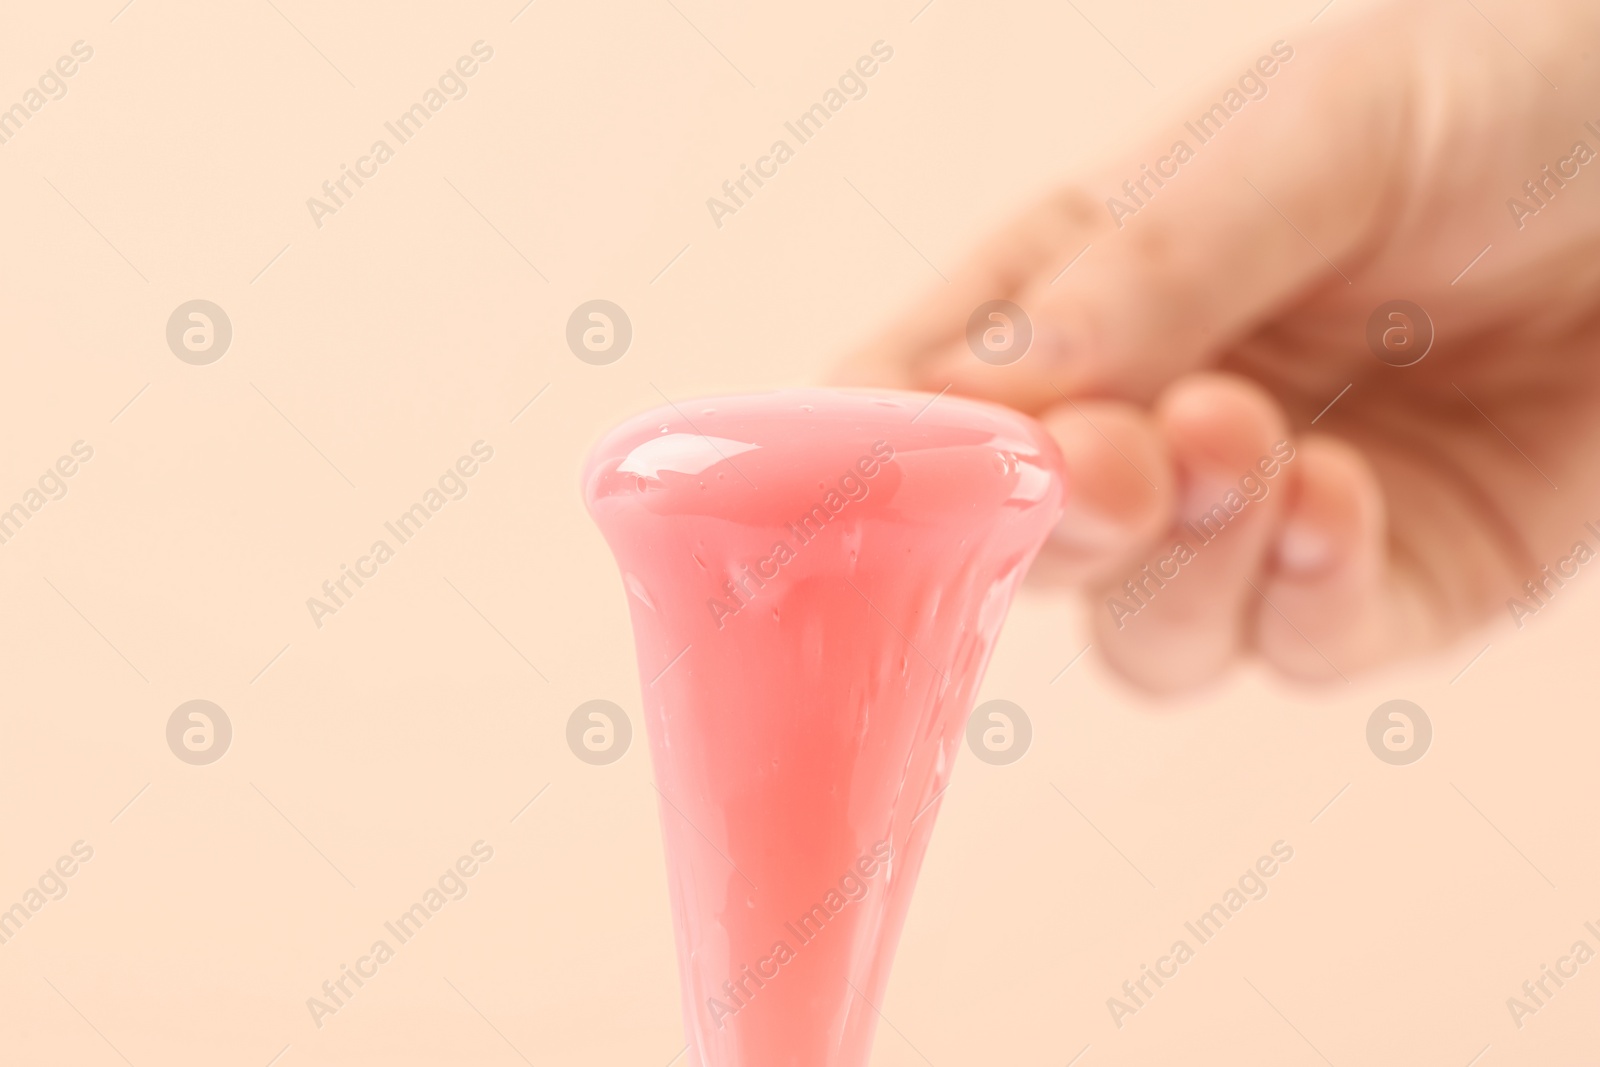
(1003, 265)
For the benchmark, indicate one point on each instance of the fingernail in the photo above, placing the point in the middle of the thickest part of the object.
(1083, 529)
(1304, 550)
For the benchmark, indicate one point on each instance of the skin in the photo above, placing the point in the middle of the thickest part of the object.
(1228, 312)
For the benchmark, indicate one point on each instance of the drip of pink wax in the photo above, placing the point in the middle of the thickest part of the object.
(816, 579)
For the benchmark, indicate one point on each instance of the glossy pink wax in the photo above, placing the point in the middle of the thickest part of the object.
(816, 579)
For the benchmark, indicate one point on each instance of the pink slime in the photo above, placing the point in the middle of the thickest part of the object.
(816, 579)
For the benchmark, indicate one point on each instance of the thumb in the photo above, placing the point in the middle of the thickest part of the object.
(1260, 196)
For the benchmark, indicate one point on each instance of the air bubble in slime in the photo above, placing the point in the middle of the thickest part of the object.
(816, 579)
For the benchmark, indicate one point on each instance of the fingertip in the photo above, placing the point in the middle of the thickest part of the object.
(1182, 618)
(1220, 422)
(1025, 383)
(1119, 484)
(1334, 519)
(1332, 607)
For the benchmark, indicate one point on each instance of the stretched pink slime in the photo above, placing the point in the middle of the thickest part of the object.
(816, 579)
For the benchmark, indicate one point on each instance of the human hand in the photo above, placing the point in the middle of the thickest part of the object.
(1226, 309)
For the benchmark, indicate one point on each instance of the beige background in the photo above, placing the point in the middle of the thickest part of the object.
(370, 753)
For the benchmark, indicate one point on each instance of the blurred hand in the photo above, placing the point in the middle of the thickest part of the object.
(1229, 308)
